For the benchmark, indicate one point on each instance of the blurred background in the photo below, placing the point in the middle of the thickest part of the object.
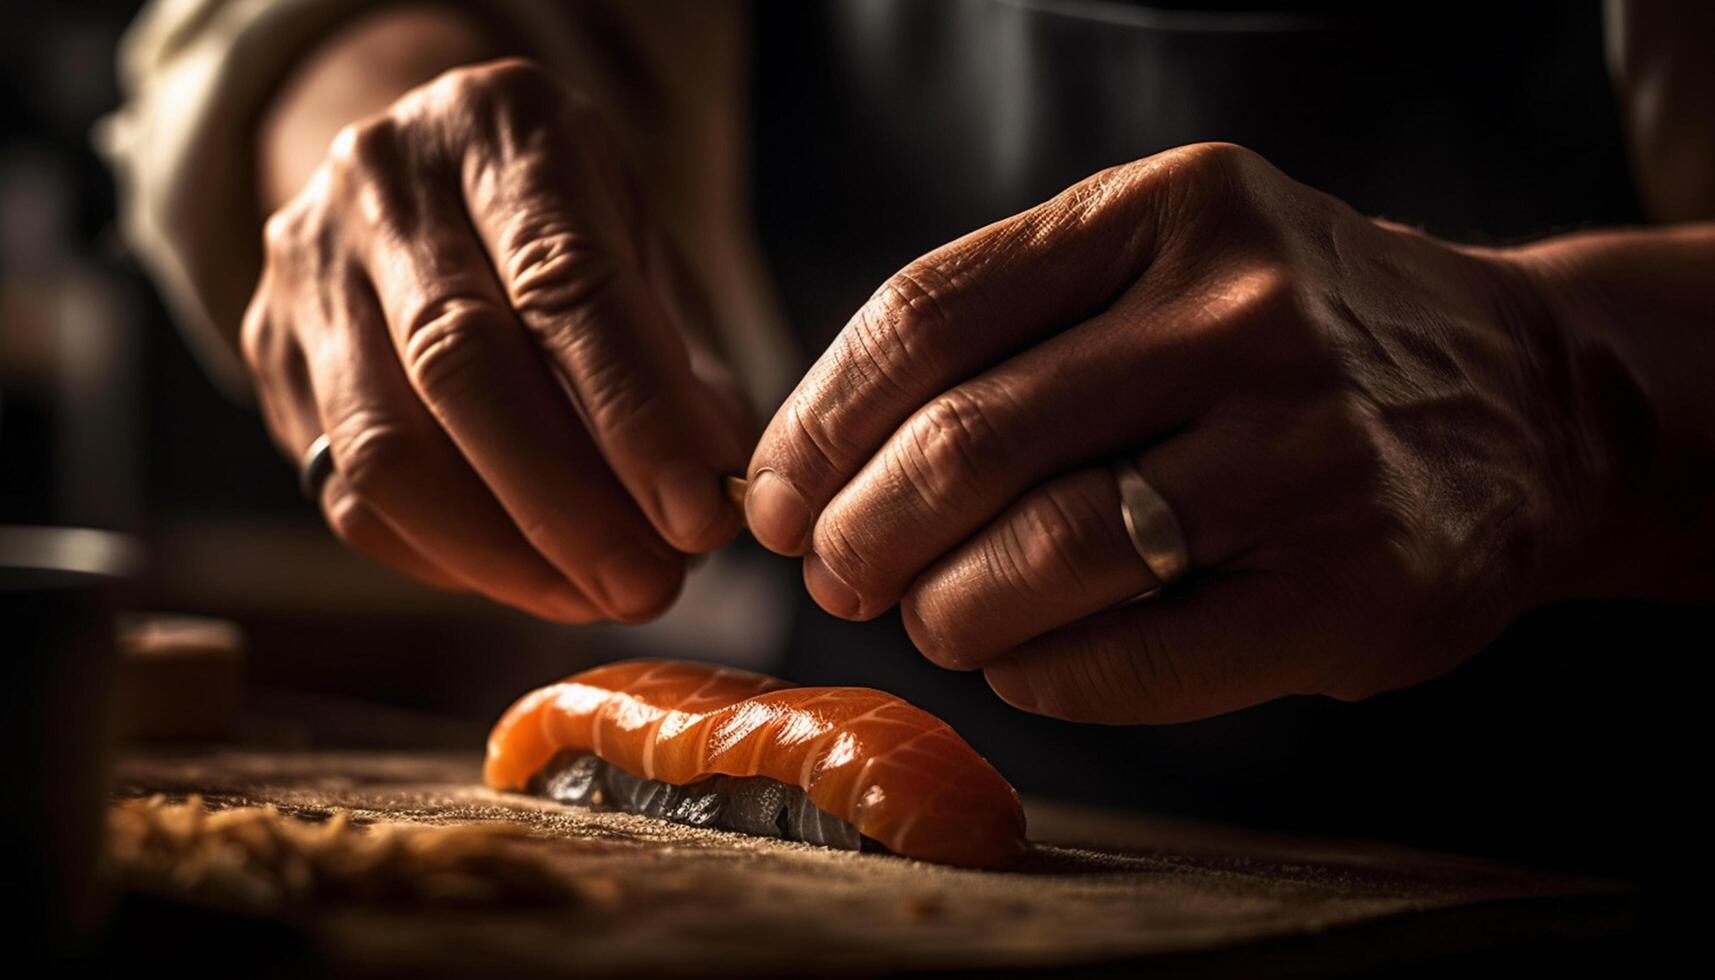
(1542, 750)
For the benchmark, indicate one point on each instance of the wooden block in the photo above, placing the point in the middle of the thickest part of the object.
(1096, 888)
(179, 677)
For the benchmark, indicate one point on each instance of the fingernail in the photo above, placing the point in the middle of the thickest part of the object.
(1011, 684)
(638, 582)
(690, 499)
(829, 590)
(778, 515)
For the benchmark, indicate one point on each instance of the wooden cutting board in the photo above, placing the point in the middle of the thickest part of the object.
(1097, 889)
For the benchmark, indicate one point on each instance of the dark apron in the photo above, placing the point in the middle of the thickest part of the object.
(885, 128)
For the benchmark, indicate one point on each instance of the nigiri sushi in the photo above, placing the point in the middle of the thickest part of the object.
(718, 747)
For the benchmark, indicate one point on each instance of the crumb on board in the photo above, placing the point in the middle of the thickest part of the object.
(925, 905)
(259, 858)
(656, 898)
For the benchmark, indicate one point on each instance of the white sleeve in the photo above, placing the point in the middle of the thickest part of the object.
(195, 74)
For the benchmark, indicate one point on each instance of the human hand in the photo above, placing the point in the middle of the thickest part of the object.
(469, 300)
(1364, 432)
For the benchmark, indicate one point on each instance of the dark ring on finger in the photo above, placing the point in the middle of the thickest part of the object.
(316, 467)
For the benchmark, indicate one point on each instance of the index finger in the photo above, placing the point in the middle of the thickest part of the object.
(588, 276)
(938, 322)
(473, 367)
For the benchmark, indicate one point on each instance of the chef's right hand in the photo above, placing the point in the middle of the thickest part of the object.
(468, 300)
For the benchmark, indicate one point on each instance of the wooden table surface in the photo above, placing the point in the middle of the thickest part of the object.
(1097, 889)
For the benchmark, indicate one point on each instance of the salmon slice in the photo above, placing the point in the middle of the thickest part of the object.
(900, 775)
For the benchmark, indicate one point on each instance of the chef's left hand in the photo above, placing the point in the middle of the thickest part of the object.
(1365, 433)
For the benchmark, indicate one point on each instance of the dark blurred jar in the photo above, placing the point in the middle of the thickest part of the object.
(59, 588)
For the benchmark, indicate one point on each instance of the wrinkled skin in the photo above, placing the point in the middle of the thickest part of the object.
(1365, 433)
(1372, 439)
(470, 300)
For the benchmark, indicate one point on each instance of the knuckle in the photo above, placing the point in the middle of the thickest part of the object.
(619, 405)
(1215, 165)
(511, 95)
(348, 518)
(280, 232)
(1205, 187)
(1262, 320)
(445, 342)
(816, 445)
(364, 144)
(254, 342)
(1267, 298)
(374, 456)
(561, 293)
(1051, 542)
(1000, 555)
(897, 334)
(1093, 197)
(513, 76)
(841, 550)
(301, 238)
(1036, 556)
(457, 92)
(553, 271)
(949, 445)
(906, 317)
